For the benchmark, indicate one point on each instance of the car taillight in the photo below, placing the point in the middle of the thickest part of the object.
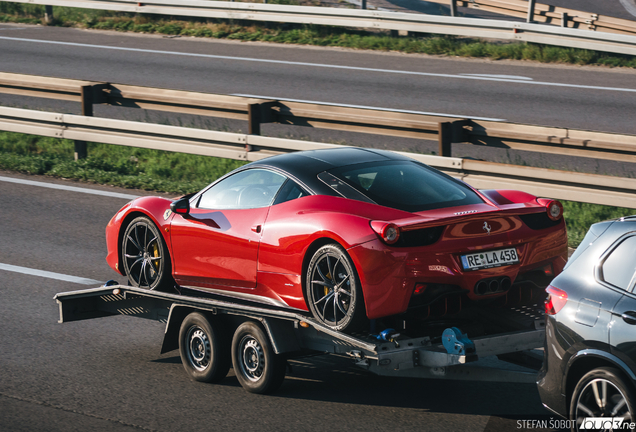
(389, 232)
(553, 207)
(419, 289)
(556, 300)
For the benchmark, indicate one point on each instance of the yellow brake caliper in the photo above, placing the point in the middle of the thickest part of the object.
(155, 253)
(328, 275)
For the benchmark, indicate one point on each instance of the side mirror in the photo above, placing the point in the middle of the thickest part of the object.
(181, 206)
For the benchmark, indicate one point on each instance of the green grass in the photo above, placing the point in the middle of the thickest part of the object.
(127, 167)
(310, 35)
(181, 173)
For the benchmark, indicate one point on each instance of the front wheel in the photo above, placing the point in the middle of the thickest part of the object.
(145, 256)
(601, 392)
(333, 289)
(257, 367)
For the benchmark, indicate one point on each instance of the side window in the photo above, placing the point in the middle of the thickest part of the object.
(252, 188)
(289, 191)
(618, 268)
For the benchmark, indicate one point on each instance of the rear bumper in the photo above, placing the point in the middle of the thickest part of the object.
(389, 275)
(550, 378)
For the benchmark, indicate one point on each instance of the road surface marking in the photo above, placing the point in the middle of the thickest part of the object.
(510, 77)
(49, 275)
(69, 188)
(630, 6)
(369, 107)
(326, 66)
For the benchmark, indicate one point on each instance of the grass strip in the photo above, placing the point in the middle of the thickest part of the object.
(181, 173)
(310, 35)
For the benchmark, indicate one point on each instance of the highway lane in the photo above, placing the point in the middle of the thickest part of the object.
(577, 97)
(107, 374)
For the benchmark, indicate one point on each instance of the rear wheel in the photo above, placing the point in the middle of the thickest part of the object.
(257, 368)
(601, 392)
(145, 256)
(204, 350)
(333, 289)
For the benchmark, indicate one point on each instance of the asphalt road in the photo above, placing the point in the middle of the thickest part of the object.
(107, 374)
(576, 97)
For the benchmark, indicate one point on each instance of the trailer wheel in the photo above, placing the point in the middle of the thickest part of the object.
(204, 349)
(257, 367)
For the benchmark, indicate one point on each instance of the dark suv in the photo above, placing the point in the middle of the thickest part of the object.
(589, 368)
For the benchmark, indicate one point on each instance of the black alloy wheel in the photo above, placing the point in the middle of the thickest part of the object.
(333, 289)
(144, 255)
(601, 393)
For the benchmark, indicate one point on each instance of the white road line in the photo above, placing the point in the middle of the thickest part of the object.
(369, 107)
(630, 6)
(326, 66)
(50, 275)
(69, 188)
(512, 77)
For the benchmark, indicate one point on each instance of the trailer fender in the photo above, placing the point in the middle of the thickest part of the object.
(281, 334)
(176, 316)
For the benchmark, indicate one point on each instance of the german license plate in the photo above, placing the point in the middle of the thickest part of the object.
(489, 259)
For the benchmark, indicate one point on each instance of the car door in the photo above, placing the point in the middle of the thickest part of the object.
(623, 327)
(216, 244)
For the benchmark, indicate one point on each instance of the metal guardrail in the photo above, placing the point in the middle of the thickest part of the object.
(446, 130)
(548, 14)
(590, 188)
(419, 23)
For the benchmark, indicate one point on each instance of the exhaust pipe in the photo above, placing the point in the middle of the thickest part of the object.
(481, 288)
(494, 285)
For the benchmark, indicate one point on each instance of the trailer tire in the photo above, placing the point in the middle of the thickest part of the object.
(257, 368)
(204, 349)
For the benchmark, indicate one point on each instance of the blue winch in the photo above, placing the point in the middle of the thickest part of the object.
(457, 342)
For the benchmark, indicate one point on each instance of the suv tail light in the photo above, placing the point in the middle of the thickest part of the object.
(556, 300)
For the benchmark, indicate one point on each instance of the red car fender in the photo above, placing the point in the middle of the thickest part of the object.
(157, 209)
(292, 229)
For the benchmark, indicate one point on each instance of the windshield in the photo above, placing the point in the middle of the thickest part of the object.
(407, 185)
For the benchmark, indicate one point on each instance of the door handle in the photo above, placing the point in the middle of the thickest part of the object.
(629, 317)
(257, 230)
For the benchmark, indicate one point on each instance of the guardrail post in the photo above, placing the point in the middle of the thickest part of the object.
(530, 11)
(81, 148)
(451, 132)
(254, 119)
(259, 112)
(48, 14)
(453, 8)
(445, 137)
(564, 19)
(363, 4)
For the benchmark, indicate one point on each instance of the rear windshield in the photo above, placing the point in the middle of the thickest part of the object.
(406, 185)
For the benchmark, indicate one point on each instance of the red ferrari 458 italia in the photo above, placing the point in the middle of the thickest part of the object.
(345, 234)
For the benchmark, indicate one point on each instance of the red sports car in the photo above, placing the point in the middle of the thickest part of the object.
(347, 234)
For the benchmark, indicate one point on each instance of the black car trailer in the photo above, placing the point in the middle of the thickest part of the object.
(214, 333)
